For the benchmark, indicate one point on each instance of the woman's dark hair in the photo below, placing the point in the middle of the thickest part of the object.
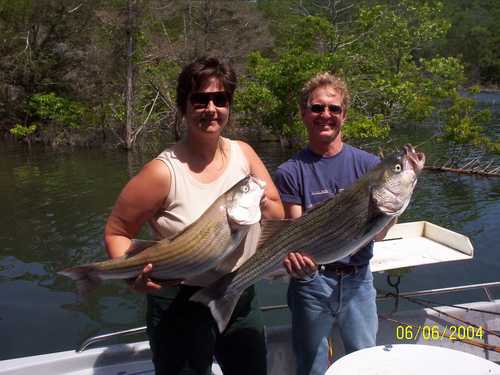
(194, 75)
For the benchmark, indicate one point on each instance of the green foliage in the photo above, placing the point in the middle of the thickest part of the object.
(115, 109)
(254, 105)
(360, 126)
(311, 32)
(404, 62)
(475, 37)
(464, 124)
(385, 58)
(385, 67)
(280, 83)
(21, 131)
(58, 110)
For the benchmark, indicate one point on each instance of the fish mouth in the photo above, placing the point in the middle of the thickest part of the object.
(246, 209)
(416, 159)
(392, 199)
(250, 203)
(261, 183)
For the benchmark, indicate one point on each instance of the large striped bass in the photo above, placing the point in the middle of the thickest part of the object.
(196, 249)
(332, 230)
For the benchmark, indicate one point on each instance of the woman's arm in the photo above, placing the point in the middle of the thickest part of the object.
(139, 200)
(272, 208)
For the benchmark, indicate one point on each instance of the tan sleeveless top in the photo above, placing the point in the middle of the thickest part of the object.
(189, 198)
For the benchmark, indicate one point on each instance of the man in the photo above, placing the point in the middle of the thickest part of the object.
(343, 291)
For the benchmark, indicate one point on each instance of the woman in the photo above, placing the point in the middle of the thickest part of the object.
(171, 192)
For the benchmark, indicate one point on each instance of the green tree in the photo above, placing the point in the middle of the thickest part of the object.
(386, 62)
(54, 117)
(475, 36)
(36, 50)
(273, 88)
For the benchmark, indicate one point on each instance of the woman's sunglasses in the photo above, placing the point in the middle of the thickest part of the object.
(201, 99)
(319, 108)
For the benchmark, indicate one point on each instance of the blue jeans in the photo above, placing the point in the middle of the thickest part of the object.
(317, 302)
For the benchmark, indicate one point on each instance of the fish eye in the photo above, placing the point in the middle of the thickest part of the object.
(245, 189)
(398, 168)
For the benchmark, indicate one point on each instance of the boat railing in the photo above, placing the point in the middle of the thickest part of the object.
(141, 330)
(485, 287)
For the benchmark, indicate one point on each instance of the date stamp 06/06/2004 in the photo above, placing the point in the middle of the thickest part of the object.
(435, 332)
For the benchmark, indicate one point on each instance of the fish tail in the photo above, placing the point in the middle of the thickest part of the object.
(221, 305)
(84, 276)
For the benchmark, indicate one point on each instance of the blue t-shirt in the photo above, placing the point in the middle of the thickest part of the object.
(307, 179)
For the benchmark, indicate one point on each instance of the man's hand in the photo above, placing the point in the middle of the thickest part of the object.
(299, 265)
(144, 284)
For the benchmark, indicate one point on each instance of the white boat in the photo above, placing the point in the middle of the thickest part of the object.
(135, 358)
(424, 242)
(412, 360)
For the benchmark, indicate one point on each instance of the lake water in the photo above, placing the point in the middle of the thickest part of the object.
(54, 206)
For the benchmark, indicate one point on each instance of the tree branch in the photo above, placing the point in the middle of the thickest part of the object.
(136, 133)
(75, 8)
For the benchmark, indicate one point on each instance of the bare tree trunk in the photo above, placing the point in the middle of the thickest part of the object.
(130, 75)
(207, 16)
(192, 52)
(130, 164)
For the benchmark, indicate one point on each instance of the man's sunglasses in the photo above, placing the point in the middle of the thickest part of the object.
(319, 108)
(201, 99)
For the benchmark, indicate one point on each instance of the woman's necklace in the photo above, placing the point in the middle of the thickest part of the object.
(198, 163)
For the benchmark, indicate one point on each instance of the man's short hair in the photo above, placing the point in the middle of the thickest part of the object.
(322, 80)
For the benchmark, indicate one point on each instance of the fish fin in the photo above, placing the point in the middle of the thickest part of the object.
(271, 227)
(85, 278)
(138, 246)
(221, 305)
(381, 223)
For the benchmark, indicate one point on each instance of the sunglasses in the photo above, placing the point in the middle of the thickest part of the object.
(201, 99)
(320, 108)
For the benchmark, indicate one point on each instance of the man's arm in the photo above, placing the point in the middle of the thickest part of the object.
(292, 211)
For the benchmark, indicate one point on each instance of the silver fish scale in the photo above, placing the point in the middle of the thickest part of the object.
(209, 238)
(213, 235)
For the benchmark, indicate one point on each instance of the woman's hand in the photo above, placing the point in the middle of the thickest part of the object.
(144, 284)
(299, 265)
